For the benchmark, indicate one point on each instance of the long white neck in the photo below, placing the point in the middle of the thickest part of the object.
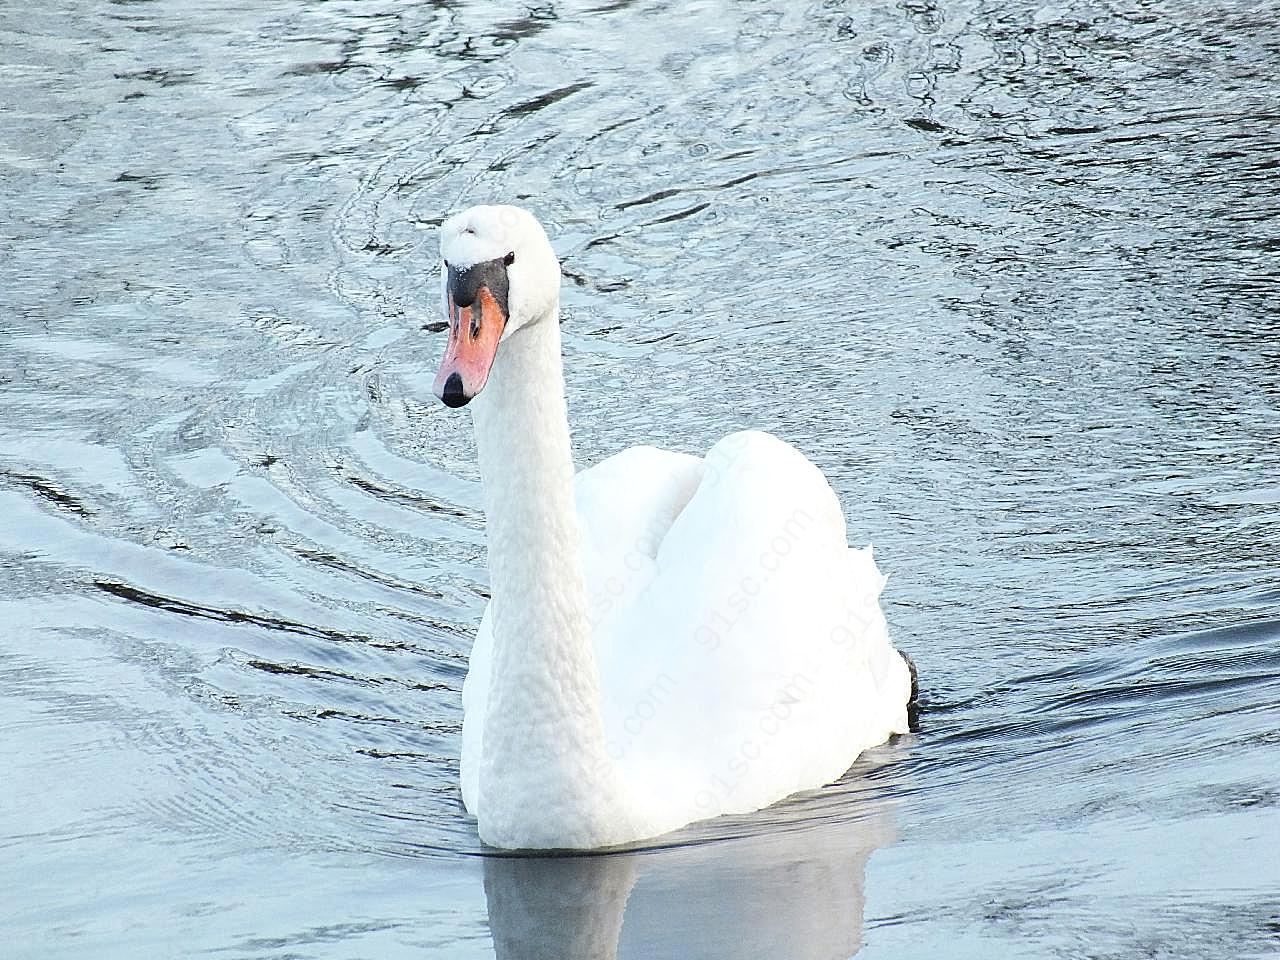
(545, 779)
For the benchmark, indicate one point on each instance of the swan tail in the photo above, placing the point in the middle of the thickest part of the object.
(914, 699)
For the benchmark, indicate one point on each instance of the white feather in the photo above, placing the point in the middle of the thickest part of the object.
(670, 638)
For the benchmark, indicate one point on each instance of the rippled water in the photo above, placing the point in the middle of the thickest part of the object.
(1007, 272)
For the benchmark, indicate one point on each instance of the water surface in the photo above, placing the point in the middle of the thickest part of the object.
(1006, 272)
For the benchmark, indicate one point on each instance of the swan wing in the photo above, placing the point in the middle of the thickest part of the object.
(748, 659)
(626, 507)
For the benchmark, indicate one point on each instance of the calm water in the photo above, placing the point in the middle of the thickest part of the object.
(1007, 272)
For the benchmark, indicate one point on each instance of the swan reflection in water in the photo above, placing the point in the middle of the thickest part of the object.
(795, 893)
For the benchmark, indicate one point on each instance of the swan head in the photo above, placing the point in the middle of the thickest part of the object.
(498, 274)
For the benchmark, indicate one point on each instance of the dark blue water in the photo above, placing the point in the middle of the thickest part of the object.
(1008, 273)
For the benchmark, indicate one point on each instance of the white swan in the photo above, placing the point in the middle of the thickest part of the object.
(669, 638)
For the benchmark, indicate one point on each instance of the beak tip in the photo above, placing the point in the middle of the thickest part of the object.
(452, 393)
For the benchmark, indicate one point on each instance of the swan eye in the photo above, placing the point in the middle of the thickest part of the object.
(509, 259)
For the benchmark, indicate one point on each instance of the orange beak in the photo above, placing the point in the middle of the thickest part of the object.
(474, 332)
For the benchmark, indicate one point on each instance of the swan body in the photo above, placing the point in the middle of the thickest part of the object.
(670, 637)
